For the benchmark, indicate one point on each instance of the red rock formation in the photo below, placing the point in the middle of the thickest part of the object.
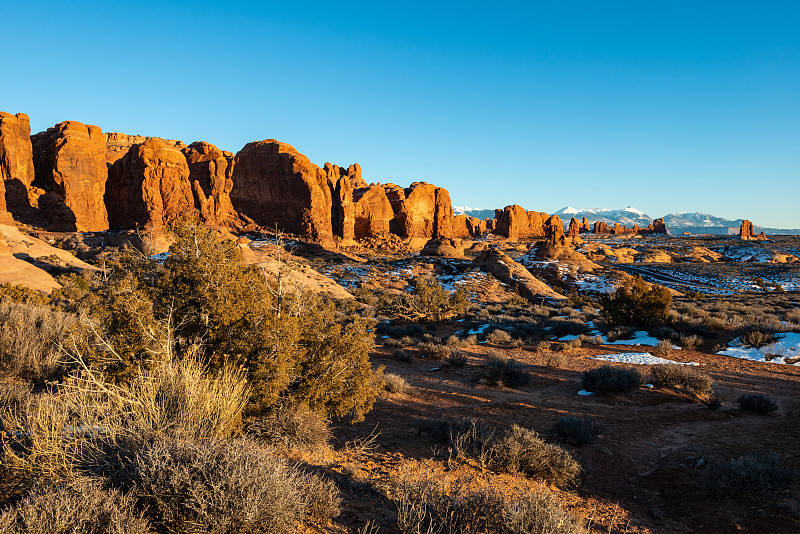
(585, 226)
(554, 232)
(655, 227)
(373, 212)
(16, 163)
(466, 227)
(747, 232)
(118, 144)
(573, 235)
(601, 227)
(513, 222)
(149, 187)
(211, 178)
(443, 215)
(354, 175)
(416, 217)
(342, 207)
(274, 184)
(70, 162)
(442, 246)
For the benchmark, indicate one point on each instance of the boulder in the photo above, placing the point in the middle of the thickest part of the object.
(149, 187)
(70, 166)
(372, 211)
(275, 185)
(211, 178)
(444, 247)
(16, 164)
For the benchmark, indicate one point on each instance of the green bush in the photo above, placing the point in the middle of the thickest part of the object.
(609, 379)
(638, 303)
(204, 299)
(429, 302)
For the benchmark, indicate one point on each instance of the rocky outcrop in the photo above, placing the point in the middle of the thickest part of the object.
(655, 227)
(508, 271)
(601, 227)
(149, 187)
(70, 164)
(275, 185)
(211, 178)
(585, 226)
(466, 227)
(444, 247)
(747, 233)
(16, 163)
(424, 212)
(373, 212)
(342, 206)
(118, 144)
(513, 222)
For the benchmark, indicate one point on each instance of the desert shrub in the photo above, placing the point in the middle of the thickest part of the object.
(688, 340)
(636, 302)
(538, 512)
(670, 375)
(792, 316)
(554, 360)
(498, 336)
(752, 474)
(579, 430)
(395, 384)
(663, 348)
(426, 503)
(521, 450)
(403, 356)
(456, 359)
(621, 332)
(29, 340)
(757, 403)
(433, 350)
(393, 343)
(292, 426)
(225, 487)
(454, 342)
(203, 297)
(501, 371)
(757, 337)
(429, 302)
(81, 505)
(609, 379)
(58, 434)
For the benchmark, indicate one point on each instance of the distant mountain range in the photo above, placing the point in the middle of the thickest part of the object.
(694, 223)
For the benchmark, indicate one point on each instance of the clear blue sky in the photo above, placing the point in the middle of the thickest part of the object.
(668, 106)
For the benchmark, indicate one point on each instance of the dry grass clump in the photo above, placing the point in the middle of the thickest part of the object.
(81, 505)
(226, 487)
(608, 379)
(501, 371)
(521, 450)
(579, 430)
(757, 403)
(688, 340)
(554, 359)
(427, 503)
(671, 375)
(292, 426)
(456, 359)
(395, 384)
(757, 337)
(29, 340)
(433, 350)
(497, 337)
(752, 474)
(663, 348)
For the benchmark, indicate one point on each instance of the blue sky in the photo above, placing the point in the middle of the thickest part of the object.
(668, 106)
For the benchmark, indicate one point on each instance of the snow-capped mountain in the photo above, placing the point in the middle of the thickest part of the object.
(473, 212)
(626, 217)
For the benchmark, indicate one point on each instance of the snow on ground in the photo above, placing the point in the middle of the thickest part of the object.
(786, 350)
(479, 329)
(639, 338)
(638, 358)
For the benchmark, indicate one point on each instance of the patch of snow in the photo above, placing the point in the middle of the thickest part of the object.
(585, 393)
(787, 347)
(479, 329)
(161, 256)
(638, 358)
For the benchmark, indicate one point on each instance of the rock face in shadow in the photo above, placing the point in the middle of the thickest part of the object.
(655, 227)
(211, 178)
(372, 211)
(16, 164)
(274, 184)
(342, 206)
(149, 187)
(70, 165)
